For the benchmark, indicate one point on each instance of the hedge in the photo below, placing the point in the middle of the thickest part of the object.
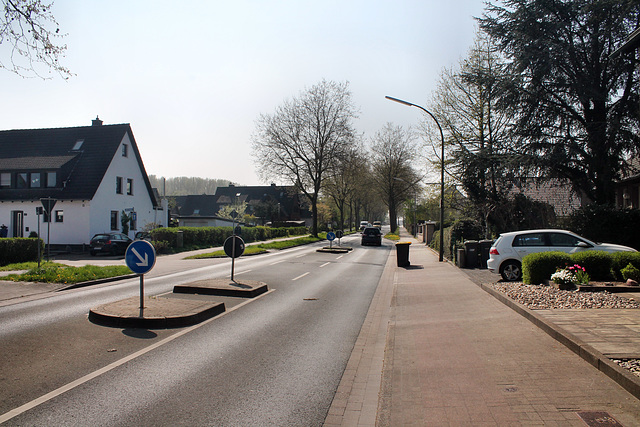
(538, 267)
(19, 249)
(601, 266)
(215, 236)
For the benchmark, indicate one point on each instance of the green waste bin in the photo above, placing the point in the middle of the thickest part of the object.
(402, 253)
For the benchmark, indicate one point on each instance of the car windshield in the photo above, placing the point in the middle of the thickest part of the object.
(101, 237)
(371, 231)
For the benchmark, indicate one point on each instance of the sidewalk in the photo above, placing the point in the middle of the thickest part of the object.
(437, 349)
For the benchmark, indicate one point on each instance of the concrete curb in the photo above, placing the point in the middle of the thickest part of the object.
(97, 282)
(626, 379)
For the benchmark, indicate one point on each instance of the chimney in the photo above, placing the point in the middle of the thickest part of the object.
(96, 122)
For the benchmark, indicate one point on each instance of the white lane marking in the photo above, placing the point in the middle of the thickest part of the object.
(73, 384)
(277, 262)
(242, 272)
(299, 277)
(325, 264)
(301, 255)
(340, 256)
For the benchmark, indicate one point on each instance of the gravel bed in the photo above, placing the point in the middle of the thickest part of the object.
(538, 297)
(632, 365)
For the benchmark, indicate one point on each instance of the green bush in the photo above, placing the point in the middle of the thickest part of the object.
(597, 264)
(16, 250)
(630, 272)
(607, 224)
(620, 260)
(204, 237)
(538, 267)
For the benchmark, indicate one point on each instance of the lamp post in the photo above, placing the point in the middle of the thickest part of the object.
(441, 256)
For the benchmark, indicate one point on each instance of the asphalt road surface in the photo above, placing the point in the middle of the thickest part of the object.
(273, 360)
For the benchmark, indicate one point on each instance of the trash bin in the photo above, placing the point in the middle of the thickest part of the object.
(460, 258)
(402, 253)
(471, 253)
(485, 246)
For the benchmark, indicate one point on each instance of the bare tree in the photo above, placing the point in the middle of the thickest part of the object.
(343, 182)
(393, 151)
(302, 140)
(28, 34)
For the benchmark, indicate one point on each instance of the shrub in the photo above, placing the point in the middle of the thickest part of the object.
(607, 224)
(620, 260)
(16, 250)
(630, 272)
(597, 263)
(538, 267)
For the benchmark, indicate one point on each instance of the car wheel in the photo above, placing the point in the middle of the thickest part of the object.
(511, 271)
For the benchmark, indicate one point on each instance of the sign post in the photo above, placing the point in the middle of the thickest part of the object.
(140, 258)
(331, 236)
(48, 203)
(339, 234)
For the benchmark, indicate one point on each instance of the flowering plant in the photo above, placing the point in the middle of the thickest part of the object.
(572, 275)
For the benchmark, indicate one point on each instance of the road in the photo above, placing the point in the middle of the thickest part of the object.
(273, 360)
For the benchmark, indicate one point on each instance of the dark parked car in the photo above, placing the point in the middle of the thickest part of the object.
(109, 243)
(371, 236)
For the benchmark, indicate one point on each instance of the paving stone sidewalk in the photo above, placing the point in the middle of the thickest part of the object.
(436, 349)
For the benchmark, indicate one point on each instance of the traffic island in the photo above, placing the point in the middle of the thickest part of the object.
(335, 249)
(223, 287)
(158, 313)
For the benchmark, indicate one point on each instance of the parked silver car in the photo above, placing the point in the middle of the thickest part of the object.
(505, 256)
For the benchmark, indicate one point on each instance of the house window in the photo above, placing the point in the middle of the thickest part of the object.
(114, 220)
(51, 179)
(59, 216)
(118, 185)
(36, 180)
(5, 180)
(22, 180)
(77, 145)
(125, 150)
(129, 187)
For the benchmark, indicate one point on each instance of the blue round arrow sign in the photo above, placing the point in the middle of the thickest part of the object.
(331, 236)
(140, 256)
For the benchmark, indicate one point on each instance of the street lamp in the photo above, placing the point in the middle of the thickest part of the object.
(441, 257)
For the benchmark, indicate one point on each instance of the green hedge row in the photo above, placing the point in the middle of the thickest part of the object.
(601, 266)
(215, 236)
(17, 250)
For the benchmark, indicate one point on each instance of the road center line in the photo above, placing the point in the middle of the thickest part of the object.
(57, 392)
(299, 277)
(325, 264)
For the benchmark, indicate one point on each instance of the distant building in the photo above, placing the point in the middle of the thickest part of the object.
(270, 204)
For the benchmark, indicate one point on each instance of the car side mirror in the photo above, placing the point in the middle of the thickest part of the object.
(583, 245)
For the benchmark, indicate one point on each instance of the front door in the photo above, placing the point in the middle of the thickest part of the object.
(17, 223)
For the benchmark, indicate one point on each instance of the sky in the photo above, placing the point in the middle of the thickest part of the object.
(192, 77)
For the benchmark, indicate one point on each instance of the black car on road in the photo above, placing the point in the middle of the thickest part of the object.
(109, 243)
(371, 236)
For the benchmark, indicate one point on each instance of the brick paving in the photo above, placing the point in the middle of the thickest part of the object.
(437, 350)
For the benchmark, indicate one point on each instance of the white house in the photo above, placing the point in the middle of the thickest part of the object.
(94, 174)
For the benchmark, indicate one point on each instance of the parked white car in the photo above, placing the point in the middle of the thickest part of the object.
(506, 253)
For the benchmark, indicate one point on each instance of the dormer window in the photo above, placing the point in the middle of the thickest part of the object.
(78, 145)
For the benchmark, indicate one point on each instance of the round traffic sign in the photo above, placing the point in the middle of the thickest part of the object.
(140, 256)
(239, 246)
(331, 236)
(339, 234)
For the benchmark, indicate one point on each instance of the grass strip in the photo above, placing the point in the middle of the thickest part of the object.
(262, 247)
(57, 273)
